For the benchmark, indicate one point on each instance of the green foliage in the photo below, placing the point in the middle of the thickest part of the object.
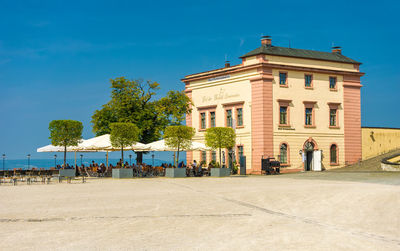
(220, 137)
(215, 164)
(178, 137)
(123, 135)
(133, 101)
(103, 118)
(174, 107)
(65, 133)
(235, 167)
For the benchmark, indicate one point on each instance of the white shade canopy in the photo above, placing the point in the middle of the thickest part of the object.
(160, 145)
(51, 148)
(103, 143)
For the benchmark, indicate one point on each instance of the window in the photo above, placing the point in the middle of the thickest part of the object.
(283, 78)
(283, 154)
(229, 118)
(309, 114)
(308, 81)
(332, 117)
(212, 119)
(283, 115)
(203, 120)
(333, 152)
(203, 156)
(332, 83)
(214, 155)
(239, 112)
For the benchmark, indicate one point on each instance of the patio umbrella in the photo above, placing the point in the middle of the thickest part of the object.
(159, 146)
(51, 148)
(103, 143)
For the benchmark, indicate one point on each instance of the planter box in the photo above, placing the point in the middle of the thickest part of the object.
(220, 172)
(67, 173)
(122, 173)
(175, 172)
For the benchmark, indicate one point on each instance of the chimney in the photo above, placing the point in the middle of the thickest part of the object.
(337, 49)
(227, 64)
(266, 40)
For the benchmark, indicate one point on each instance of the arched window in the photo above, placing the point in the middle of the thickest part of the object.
(333, 152)
(283, 153)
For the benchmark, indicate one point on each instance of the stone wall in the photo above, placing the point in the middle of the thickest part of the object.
(377, 141)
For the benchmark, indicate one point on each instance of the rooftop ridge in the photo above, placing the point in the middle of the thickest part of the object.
(300, 53)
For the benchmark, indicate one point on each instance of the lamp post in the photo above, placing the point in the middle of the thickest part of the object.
(152, 157)
(4, 157)
(55, 160)
(29, 161)
(81, 158)
(130, 158)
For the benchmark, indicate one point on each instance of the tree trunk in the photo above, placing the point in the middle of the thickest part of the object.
(220, 158)
(122, 157)
(139, 158)
(65, 155)
(177, 157)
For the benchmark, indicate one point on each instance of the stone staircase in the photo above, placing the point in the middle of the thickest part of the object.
(368, 165)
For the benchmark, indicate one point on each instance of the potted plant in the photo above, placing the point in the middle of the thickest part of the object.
(178, 137)
(123, 135)
(65, 133)
(218, 138)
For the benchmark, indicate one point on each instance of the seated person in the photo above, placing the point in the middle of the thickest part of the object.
(181, 165)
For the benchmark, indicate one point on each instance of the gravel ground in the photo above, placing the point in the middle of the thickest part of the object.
(305, 211)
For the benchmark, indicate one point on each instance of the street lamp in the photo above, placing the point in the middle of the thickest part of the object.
(55, 160)
(130, 158)
(81, 158)
(4, 157)
(29, 161)
(152, 157)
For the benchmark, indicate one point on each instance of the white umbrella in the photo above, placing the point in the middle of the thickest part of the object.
(103, 143)
(51, 148)
(161, 146)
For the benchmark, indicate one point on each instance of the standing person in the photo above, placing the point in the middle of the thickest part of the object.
(194, 168)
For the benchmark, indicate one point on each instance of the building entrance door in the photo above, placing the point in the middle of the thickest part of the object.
(309, 150)
(308, 163)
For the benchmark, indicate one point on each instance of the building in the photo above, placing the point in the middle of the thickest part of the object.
(299, 106)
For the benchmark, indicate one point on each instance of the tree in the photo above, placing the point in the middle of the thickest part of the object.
(123, 135)
(220, 137)
(134, 101)
(179, 137)
(65, 133)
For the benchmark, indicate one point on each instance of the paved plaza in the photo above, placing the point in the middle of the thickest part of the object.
(303, 211)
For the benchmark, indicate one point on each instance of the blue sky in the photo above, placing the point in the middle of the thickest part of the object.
(56, 57)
